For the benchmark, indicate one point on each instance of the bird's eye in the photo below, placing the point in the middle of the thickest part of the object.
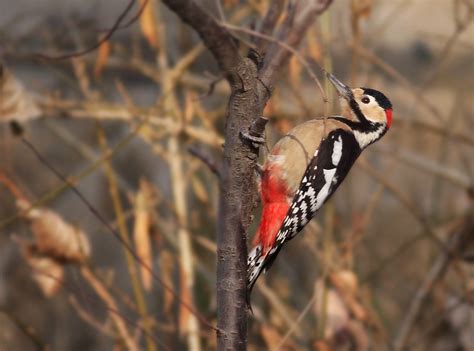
(365, 100)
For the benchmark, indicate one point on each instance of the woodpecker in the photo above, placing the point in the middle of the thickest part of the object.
(306, 166)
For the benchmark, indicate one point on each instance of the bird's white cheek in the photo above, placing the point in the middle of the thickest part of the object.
(374, 113)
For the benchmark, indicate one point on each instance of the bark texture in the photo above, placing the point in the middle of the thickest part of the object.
(237, 202)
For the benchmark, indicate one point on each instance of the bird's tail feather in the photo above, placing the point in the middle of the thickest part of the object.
(255, 265)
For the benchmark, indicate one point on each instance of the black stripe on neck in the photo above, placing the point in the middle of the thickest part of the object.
(363, 126)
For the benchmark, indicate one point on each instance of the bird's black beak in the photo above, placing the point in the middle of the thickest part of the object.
(341, 88)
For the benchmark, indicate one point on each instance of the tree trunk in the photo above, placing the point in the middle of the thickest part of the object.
(238, 199)
(251, 90)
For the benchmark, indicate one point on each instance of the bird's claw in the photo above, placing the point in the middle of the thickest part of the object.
(256, 141)
(255, 134)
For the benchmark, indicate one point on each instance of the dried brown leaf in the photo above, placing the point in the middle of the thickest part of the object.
(270, 336)
(189, 110)
(295, 72)
(103, 54)
(45, 271)
(361, 8)
(314, 48)
(269, 109)
(149, 24)
(141, 231)
(114, 311)
(15, 101)
(322, 345)
(230, 3)
(167, 264)
(330, 304)
(341, 331)
(185, 297)
(283, 126)
(461, 319)
(199, 190)
(345, 281)
(346, 285)
(54, 237)
(357, 335)
(273, 106)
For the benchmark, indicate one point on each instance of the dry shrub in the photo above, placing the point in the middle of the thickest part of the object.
(342, 314)
(54, 237)
(16, 103)
(47, 272)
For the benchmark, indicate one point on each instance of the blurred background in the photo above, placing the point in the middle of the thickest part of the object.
(137, 126)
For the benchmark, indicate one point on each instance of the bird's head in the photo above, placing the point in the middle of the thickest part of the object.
(365, 104)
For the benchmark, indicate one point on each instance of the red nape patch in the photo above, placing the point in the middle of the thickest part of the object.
(389, 117)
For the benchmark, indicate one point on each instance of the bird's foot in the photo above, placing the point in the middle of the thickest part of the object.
(255, 135)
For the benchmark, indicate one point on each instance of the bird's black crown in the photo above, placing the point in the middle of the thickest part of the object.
(381, 99)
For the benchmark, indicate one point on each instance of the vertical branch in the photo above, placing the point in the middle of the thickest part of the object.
(272, 15)
(111, 304)
(168, 82)
(251, 89)
(124, 234)
(184, 239)
(298, 20)
(456, 243)
(236, 203)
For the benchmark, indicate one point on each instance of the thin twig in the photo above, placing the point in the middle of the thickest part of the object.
(133, 19)
(296, 325)
(106, 37)
(274, 11)
(391, 71)
(217, 39)
(176, 163)
(10, 185)
(404, 200)
(287, 47)
(98, 283)
(278, 305)
(90, 319)
(417, 161)
(111, 305)
(460, 26)
(73, 180)
(206, 159)
(456, 242)
(27, 330)
(125, 236)
(98, 215)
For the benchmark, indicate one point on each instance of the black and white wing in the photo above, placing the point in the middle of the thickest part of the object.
(325, 172)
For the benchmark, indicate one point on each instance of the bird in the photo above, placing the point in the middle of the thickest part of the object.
(306, 166)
